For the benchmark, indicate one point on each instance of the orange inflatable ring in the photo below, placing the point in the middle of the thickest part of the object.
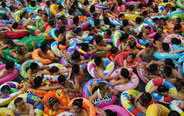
(87, 105)
(84, 18)
(172, 27)
(35, 56)
(59, 95)
(62, 47)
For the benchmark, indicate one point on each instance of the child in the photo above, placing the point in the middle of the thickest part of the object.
(22, 108)
(21, 53)
(9, 67)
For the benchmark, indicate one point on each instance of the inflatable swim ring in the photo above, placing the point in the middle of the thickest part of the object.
(16, 35)
(108, 66)
(6, 111)
(157, 96)
(87, 93)
(153, 110)
(175, 106)
(38, 33)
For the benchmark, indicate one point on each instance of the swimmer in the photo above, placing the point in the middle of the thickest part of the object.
(9, 67)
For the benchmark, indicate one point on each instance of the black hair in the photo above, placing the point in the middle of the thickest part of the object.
(15, 25)
(60, 6)
(3, 4)
(144, 13)
(114, 50)
(75, 68)
(165, 46)
(101, 85)
(77, 30)
(76, 55)
(33, 3)
(155, 9)
(110, 113)
(173, 8)
(71, 10)
(125, 73)
(165, 1)
(147, 27)
(132, 44)
(167, 70)
(48, 3)
(86, 2)
(51, 22)
(96, 22)
(9, 65)
(140, 5)
(155, 19)
(131, 7)
(132, 55)
(177, 27)
(45, 14)
(20, 50)
(44, 47)
(4, 16)
(178, 20)
(174, 113)
(109, 32)
(98, 39)
(23, 14)
(61, 79)
(106, 21)
(146, 97)
(62, 29)
(162, 88)
(75, 19)
(119, 2)
(39, 10)
(92, 9)
(5, 87)
(53, 69)
(157, 37)
(149, 45)
(180, 85)
(120, 15)
(33, 66)
(138, 20)
(84, 46)
(53, 101)
(98, 61)
(37, 81)
(169, 62)
(152, 68)
(78, 102)
(124, 36)
(17, 100)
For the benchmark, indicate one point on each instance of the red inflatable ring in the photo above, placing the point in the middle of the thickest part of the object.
(16, 35)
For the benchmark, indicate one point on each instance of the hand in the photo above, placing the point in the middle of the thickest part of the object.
(65, 90)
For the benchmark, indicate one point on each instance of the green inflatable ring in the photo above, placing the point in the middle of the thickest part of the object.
(181, 16)
(33, 8)
(33, 28)
(104, 28)
(179, 4)
(104, 51)
(27, 40)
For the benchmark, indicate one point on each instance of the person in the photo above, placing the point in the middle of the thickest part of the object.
(130, 61)
(53, 103)
(5, 91)
(43, 53)
(153, 71)
(21, 52)
(174, 113)
(10, 44)
(45, 19)
(146, 54)
(180, 87)
(112, 54)
(77, 108)
(15, 26)
(103, 91)
(99, 66)
(131, 47)
(22, 108)
(34, 68)
(142, 101)
(9, 67)
(105, 112)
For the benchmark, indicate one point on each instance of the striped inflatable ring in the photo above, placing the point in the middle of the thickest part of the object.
(87, 92)
(126, 96)
(175, 106)
(116, 37)
(55, 49)
(30, 98)
(157, 96)
(142, 72)
(6, 100)
(168, 38)
(132, 84)
(25, 65)
(53, 34)
(108, 66)
(38, 33)
(150, 22)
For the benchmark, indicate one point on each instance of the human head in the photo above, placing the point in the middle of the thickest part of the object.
(54, 103)
(140, 5)
(165, 47)
(75, 68)
(180, 86)
(124, 37)
(174, 113)
(99, 39)
(152, 68)
(9, 43)
(34, 66)
(9, 65)
(138, 20)
(61, 79)
(77, 31)
(54, 69)
(86, 2)
(114, 50)
(44, 47)
(84, 46)
(20, 51)
(121, 17)
(110, 113)
(167, 70)
(76, 55)
(145, 98)
(157, 37)
(77, 105)
(103, 86)
(3, 4)
(125, 22)
(144, 13)
(5, 89)
(62, 29)
(76, 20)
(130, 57)
(92, 9)
(125, 73)
(131, 8)
(48, 3)
(155, 9)
(149, 46)
(19, 103)
(162, 21)
(177, 28)
(15, 25)
(132, 44)
(51, 22)
(33, 3)
(60, 7)
(45, 16)
(176, 41)
(169, 62)
(162, 90)
(98, 61)
(38, 81)
(39, 12)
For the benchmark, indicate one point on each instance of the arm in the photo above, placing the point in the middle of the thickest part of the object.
(93, 97)
(31, 110)
(177, 51)
(46, 88)
(41, 102)
(76, 87)
(22, 44)
(1, 51)
(33, 44)
(139, 53)
(13, 53)
(29, 76)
